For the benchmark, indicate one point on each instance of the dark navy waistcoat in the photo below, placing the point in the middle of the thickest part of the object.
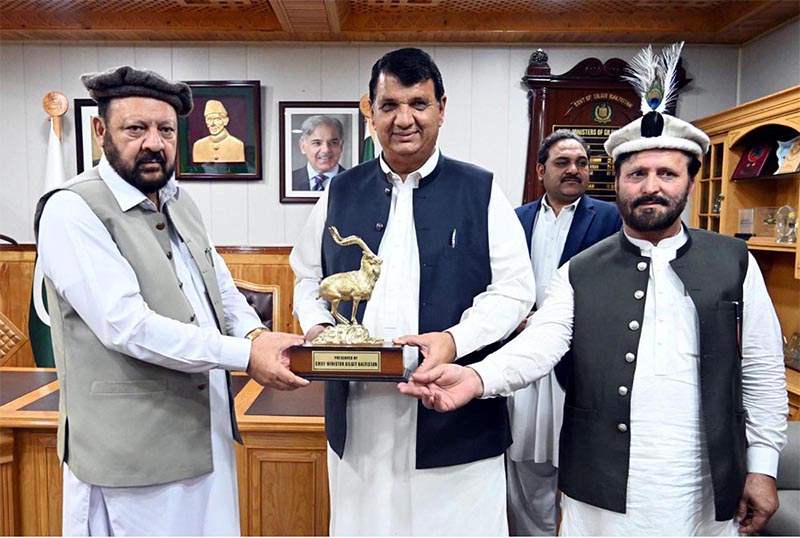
(454, 268)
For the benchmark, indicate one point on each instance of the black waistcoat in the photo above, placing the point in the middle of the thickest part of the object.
(455, 196)
(595, 437)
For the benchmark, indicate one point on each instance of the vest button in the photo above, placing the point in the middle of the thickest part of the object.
(379, 226)
(633, 325)
(623, 391)
(630, 357)
(622, 427)
(192, 317)
(201, 386)
(638, 294)
(387, 191)
(169, 254)
(641, 266)
(160, 225)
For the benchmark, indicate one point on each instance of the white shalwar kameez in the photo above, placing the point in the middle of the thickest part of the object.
(537, 410)
(376, 489)
(101, 286)
(669, 482)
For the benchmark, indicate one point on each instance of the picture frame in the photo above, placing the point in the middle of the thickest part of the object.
(88, 151)
(295, 178)
(220, 139)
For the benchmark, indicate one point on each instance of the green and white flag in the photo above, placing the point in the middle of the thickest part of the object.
(372, 147)
(38, 318)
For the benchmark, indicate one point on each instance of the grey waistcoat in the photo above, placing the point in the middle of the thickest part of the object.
(594, 449)
(123, 421)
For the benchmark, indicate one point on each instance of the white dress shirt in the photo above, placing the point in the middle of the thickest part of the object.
(84, 264)
(376, 489)
(537, 411)
(669, 486)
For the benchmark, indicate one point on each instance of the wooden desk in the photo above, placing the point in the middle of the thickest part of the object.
(282, 469)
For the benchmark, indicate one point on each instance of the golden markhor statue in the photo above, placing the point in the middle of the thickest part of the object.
(355, 286)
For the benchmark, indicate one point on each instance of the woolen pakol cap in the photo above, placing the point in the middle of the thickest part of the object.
(126, 81)
(654, 77)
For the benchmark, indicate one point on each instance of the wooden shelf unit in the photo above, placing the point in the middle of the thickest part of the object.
(732, 131)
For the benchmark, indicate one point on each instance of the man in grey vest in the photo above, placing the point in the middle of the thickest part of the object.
(675, 410)
(147, 325)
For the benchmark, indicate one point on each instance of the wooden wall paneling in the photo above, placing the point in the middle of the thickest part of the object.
(16, 279)
(40, 483)
(9, 485)
(266, 265)
(260, 265)
(285, 483)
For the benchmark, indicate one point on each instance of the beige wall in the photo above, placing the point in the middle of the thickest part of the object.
(486, 120)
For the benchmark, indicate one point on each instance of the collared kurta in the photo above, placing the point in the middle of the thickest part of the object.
(80, 258)
(537, 410)
(669, 484)
(376, 489)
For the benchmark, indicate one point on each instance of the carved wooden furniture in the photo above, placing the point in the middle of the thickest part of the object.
(591, 99)
(732, 132)
(282, 466)
(266, 268)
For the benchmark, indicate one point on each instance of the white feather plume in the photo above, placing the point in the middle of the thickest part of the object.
(668, 65)
(655, 74)
(643, 70)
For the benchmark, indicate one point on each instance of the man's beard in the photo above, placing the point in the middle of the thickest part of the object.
(651, 220)
(131, 172)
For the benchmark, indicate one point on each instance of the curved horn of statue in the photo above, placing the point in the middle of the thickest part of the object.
(355, 286)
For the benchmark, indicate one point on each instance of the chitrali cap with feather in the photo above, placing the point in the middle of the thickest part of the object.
(654, 77)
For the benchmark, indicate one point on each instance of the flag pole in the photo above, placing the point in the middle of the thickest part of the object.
(55, 105)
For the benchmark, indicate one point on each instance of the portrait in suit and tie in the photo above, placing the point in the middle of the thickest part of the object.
(319, 140)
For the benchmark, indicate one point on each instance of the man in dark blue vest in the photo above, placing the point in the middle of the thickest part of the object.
(455, 273)
(676, 404)
(563, 222)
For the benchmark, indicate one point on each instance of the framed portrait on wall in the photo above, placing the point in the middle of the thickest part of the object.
(89, 152)
(221, 137)
(318, 140)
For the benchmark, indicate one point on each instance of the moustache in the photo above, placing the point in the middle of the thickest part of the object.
(650, 200)
(147, 157)
(571, 177)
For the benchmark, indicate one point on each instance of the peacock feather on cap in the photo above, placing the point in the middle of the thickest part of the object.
(654, 76)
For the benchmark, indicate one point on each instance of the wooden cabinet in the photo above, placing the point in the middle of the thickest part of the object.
(732, 133)
(281, 467)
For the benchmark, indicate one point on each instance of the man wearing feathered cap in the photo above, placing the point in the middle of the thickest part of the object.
(147, 325)
(675, 409)
(219, 146)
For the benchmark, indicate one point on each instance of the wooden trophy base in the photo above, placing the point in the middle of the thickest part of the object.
(354, 362)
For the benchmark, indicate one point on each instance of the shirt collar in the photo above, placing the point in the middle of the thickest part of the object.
(127, 195)
(667, 244)
(313, 173)
(573, 205)
(423, 171)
